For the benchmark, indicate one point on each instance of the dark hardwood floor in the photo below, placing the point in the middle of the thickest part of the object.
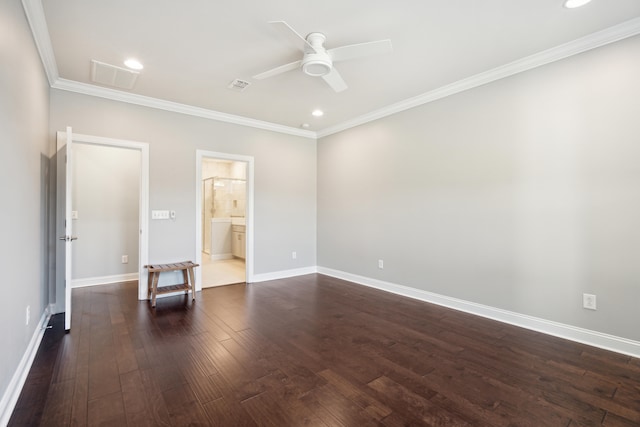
(313, 350)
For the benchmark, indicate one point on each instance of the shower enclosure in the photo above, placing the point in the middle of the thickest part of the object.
(222, 199)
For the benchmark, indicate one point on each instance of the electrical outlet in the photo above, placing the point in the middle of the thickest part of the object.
(125, 259)
(589, 301)
(28, 315)
(294, 255)
(380, 264)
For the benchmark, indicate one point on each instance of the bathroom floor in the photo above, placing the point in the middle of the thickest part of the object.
(222, 272)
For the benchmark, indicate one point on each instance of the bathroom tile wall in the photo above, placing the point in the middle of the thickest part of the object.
(229, 186)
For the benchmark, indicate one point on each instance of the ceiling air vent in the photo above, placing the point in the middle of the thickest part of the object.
(110, 75)
(238, 85)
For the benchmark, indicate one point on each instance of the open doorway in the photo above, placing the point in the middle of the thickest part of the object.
(65, 213)
(106, 214)
(224, 200)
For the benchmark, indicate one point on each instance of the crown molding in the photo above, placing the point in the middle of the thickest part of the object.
(610, 35)
(146, 101)
(35, 16)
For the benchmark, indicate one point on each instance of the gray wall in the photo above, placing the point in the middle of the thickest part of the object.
(285, 175)
(106, 195)
(521, 194)
(24, 160)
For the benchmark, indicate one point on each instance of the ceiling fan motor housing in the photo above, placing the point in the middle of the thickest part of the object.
(316, 63)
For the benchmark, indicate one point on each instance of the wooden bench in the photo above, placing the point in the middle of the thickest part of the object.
(154, 275)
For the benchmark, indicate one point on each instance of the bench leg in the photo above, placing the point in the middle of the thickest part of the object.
(150, 285)
(154, 291)
(185, 278)
(192, 284)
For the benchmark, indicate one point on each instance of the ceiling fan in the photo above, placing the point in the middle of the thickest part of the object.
(318, 61)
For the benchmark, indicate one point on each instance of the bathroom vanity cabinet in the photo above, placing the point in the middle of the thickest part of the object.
(238, 241)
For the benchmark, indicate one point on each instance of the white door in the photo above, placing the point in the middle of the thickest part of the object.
(63, 201)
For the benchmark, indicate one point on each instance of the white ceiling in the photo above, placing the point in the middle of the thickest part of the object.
(193, 49)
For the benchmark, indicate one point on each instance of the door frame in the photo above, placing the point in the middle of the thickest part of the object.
(249, 160)
(143, 207)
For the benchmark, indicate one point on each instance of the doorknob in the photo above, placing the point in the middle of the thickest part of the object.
(73, 238)
(63, 238)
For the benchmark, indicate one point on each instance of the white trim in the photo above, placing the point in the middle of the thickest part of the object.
(103, 280)
(35, 16)
(610, 35)
(572, 333)
(249, 160)
(13, 390)
(160, 104)
(283, 274)
(143, 243)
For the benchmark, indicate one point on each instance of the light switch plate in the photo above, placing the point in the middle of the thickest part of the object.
(159, 214)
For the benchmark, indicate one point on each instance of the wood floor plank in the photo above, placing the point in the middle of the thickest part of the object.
(138, 411)
(339, 409)
(205, 388)
(106, 410)
(405, 400)
(154, 399)
(57, 409)
(228, 412)
(183, 407)
(357, 394)
(313, 350)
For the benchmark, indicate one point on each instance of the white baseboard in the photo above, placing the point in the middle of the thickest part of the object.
(103, 280)
(12, 393)
(282, 274)
(218, 257)
(572, 333)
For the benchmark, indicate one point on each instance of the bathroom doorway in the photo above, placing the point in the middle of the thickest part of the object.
(223, 217)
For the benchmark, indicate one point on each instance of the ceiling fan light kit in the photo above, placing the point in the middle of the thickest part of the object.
(316, 65)
(572, 4)
(318, 61)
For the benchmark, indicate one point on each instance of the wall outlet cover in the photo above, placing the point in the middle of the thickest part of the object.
(589, 301)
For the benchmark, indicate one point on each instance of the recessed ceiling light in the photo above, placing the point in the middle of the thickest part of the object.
(305, 125)
(134, 64)
(572, 4)
(317, 113)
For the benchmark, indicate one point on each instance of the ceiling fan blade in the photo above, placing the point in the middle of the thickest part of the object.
(334, 79)
(278, 70)
(360, 50)
(296, 39)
